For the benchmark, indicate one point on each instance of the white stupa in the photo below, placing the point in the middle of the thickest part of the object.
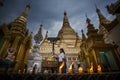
(35, 59)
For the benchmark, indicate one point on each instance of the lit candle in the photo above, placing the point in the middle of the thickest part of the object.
(31, 71)
(80, 70)
(91, 69)
(19, 71)
(99, 69)
(70, 68)
(61, 66)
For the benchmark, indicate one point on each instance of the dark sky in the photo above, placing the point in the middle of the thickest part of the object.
(50, 13)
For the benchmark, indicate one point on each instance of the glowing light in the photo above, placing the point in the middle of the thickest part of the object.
(19, 71)
(70, 68)
(31, 71)
(91, 68)
(80, 70)
(99, 69)
(61, 66)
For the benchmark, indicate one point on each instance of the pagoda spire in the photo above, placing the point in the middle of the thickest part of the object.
(66, 28)
(38, 37)
(90, 26)
(65, 20)
(25, 12)
(91, 29)
(23, 16)
(102, 19)
(83, 36)
(46, 36)
(19, 24)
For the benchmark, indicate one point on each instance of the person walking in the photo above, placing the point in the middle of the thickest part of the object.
(61, 58)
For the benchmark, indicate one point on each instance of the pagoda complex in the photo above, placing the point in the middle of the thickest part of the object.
(100, 47)
(67, 39)
(97, 48)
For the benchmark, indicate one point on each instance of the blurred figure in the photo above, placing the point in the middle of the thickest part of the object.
(62, 58)
(34, 69)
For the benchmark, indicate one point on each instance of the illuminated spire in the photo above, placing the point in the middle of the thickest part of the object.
(65, 20)
(66, 28)
(46, 36)
(19, 24)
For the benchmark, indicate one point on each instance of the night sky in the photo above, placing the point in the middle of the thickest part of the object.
(50, 13)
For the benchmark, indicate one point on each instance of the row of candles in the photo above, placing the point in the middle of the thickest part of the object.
(80, 69)
(70, 70)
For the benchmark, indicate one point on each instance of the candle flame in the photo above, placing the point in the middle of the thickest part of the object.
(70, 68)
(80, 69)
(31, 71)
(91, 69)
(99, 69)
(61, 66)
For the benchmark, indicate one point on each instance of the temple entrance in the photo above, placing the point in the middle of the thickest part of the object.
(107, 60)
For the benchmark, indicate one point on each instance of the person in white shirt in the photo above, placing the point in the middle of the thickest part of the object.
(62, 58)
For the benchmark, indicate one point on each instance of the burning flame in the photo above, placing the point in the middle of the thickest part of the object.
(99, 69)
(70, 68)
(61, 66)
(31, 71)
(91, 69)
(80, 70)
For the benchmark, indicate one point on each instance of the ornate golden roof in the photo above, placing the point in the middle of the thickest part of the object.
(18, 26)
(67, 33)
(66, 28)
(69, 40)
(104, 21)
(38, 37)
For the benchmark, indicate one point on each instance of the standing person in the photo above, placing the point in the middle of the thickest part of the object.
(34, 69)
(62, 58)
